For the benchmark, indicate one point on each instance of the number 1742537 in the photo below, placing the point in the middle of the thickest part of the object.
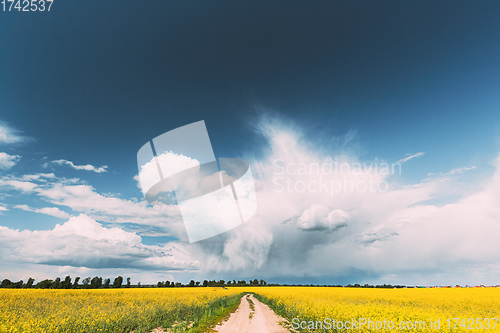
(26, 5)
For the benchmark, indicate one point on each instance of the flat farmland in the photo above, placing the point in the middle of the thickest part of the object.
(328, 309)
(113, 310)
(477, 309)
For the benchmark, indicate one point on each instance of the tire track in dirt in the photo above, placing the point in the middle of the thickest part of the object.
(244, 320)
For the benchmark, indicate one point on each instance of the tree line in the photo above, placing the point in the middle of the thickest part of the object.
(213, 283)
(87, 283)
(99, 283)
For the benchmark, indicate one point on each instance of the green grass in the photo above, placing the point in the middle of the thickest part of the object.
(216, 315)
(200, 320)
(252, 306)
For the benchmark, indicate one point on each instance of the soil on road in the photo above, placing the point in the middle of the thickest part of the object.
(245, 320)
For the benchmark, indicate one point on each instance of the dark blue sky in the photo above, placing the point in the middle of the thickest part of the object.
(91, 82)
(98, 79)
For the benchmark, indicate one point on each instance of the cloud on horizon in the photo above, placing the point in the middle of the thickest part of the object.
(302, 229)
(300, 233)
(83, 242)
(74, 194)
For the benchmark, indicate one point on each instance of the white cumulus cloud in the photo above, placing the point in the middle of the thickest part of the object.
(83, 242)
(87, 167)
(321, 218)
(52, 211)
(8, 161)
(158, 220)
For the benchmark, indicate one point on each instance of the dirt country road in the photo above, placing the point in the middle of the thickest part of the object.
(252, 318)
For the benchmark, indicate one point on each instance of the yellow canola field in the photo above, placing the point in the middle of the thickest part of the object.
(124, 310)
(108, 310)
(412, 306)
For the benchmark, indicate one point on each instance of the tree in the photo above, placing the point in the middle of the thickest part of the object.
(86, 282)
(30, 282)
(75, 284)
(56, 284)
(191, 283)
(5, 283)
(106, 283)
(45, 284)
(205, 283)
(66, 284)
(197, 283)
(96, 282)
(128, 282)
(160, 284)
(117, 283)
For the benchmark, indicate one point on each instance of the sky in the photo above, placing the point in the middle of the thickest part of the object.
(279, 84)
